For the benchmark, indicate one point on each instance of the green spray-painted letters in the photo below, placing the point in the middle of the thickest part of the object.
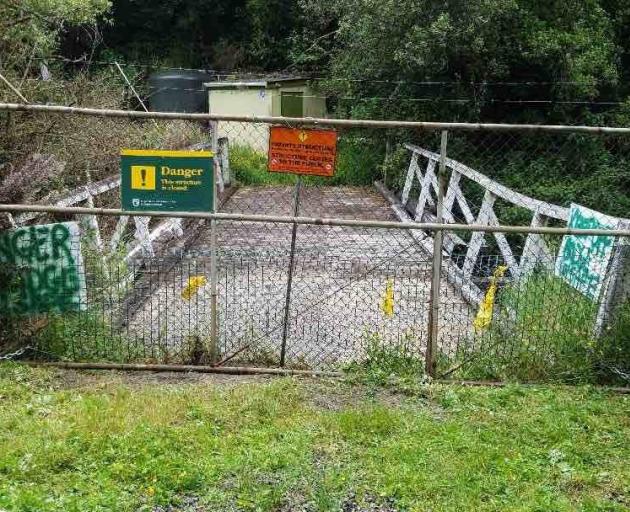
(42, 269)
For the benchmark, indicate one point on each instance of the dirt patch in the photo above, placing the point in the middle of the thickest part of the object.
(350, 504)
(338, 394)
(328, 394)
(76, 379)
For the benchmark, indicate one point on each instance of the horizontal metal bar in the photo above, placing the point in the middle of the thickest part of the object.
(230, 370)
(249, 370)
(319, 221)
(305, 121)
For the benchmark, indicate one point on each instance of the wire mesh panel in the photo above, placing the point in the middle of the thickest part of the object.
(322, 296)
(567, 321)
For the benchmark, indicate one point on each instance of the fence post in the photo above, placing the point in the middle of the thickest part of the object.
(224, 152)
(214, 316)
(438, 238)
(388, 151)
(287, 305)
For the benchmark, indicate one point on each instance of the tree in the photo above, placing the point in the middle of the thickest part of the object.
(35, 27)
(570, 44)
(224, 34)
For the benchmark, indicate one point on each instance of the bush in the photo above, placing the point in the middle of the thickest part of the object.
(77, 148)
(359, 163)
(85, 337)
(249, 167)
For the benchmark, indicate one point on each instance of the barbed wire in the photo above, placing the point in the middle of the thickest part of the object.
(271, 75)
(333, 96)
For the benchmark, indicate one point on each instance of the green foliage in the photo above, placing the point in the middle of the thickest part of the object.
(249, 167)
(83, 336)
(462, 41)
(224, 34)
(611, 352)
(395, 365)
(34, 27)
(359, 159)
(358, 163)
(544, 331)
(110, 442)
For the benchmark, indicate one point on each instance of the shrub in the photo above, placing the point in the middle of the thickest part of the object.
(249, 167)
(359, 163)
(83, 336)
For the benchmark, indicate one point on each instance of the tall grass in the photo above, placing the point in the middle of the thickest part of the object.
(543, 330)
(249, 167)
(83, 336)
(393, 364)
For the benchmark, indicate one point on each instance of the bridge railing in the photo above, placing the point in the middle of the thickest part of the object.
(143, 233)
(422, 175)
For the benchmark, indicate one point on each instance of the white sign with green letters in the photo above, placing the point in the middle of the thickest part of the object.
(583, 260)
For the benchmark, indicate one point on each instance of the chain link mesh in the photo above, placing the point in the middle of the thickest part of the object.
(353, 288)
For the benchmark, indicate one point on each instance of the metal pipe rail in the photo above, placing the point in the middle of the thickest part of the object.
(318, 221)
(305, 121)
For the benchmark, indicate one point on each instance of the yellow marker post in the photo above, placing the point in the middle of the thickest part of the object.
(387, 306)
(193, 285)
(486, 308)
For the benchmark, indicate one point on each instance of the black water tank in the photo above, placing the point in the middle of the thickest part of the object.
(178, 91)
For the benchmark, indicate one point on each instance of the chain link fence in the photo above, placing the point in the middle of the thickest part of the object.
(474, 304)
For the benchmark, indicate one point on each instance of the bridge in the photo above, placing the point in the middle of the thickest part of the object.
(352, 286)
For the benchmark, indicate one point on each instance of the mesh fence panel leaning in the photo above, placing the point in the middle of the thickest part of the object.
(308, 295)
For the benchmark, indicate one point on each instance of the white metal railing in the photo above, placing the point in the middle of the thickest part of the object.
(144, 235)
(533, 251)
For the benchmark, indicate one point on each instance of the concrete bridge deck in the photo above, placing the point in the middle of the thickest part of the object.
(340, 282)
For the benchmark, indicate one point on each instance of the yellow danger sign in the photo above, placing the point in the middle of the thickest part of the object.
(143, 177)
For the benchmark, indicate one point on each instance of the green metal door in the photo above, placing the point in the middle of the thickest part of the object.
(292, 104)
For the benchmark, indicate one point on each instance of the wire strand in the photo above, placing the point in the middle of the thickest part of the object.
(277, 75)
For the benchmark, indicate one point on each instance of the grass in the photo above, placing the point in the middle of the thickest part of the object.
(112, 443)
(83, 336)
(395, 365)
(543, 331)
(249, 167)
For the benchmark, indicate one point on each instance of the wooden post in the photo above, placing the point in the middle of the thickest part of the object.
(438, 236)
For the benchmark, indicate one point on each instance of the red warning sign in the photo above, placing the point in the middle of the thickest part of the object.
(297, 151)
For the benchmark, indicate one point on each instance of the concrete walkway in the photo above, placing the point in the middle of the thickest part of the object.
(342, 277)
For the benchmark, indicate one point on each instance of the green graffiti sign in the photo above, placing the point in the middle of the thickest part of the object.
(166, 180)
(583, 260)
(42, 269)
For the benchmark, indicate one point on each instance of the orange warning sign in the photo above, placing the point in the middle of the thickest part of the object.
(297, 151)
